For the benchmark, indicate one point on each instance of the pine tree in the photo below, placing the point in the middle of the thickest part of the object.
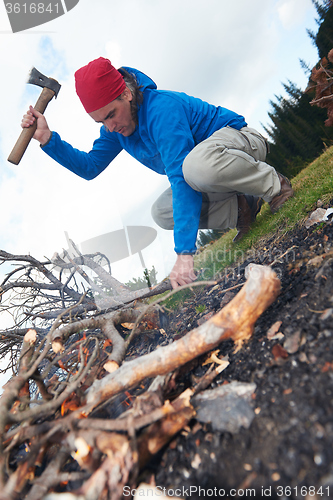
(208, 236)
(297, 133)
(324, 37)
(149, 279)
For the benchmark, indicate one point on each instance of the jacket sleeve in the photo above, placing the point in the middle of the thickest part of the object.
(86, 165)
(169, 127)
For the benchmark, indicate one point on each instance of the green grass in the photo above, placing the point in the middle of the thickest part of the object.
(200, 308)
(314, 182)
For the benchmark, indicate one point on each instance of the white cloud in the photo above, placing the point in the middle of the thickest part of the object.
(292, 12)
(113, 52)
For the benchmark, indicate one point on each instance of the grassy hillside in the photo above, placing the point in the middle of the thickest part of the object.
(313, 183)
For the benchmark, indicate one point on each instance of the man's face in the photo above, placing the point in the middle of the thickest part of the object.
(116, 116)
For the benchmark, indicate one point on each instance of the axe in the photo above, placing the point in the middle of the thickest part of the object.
(50, 88)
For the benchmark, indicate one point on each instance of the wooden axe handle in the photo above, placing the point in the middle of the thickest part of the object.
(27, 133)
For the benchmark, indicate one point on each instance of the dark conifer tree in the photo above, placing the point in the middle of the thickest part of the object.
(208, 236)
(297, 133)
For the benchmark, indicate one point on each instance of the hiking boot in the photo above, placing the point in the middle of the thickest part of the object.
(248, 209)
(285, 193)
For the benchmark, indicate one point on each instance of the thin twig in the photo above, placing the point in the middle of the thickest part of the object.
(161, 299)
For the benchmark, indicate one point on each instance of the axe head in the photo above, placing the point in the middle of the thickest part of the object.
(37, 78)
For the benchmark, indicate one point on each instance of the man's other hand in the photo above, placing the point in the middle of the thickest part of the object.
(183, 271)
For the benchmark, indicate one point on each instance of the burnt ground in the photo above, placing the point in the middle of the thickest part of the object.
(286, 452)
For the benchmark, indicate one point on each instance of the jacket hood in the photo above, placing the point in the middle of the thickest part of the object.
(143, 80)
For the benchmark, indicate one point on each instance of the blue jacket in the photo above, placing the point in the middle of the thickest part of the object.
(170, 125)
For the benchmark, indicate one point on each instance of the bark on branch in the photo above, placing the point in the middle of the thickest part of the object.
(107, 323)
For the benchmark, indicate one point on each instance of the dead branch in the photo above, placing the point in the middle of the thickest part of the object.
(107, 323)
(160, 433)
(321, 82)
(117, 469)
(49, 478)
(86, 260)
(77, 312)
(84, 275)
(322, 99)
(126, 424)
(5, 256)
(27, 352)
(50, 406)
(29, 295)
(13, 387)
(120, 293)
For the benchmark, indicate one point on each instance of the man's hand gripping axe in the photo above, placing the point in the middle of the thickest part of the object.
(50, 89)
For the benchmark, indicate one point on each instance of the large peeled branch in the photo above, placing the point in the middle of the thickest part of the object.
(235, 321)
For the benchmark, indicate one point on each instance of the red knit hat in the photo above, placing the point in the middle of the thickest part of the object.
(98, 83)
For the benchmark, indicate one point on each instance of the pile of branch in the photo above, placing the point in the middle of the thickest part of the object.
(322, 82)
(53, 435)
(71, 288)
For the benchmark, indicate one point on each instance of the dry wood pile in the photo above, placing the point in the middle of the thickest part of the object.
(322, 82)
(67, 352)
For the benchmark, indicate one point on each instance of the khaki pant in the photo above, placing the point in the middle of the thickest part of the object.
(229, 162)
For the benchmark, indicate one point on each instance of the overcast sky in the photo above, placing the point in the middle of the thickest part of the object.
(233, 54)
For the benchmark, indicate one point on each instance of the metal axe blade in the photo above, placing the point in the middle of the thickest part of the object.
(37, 78)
